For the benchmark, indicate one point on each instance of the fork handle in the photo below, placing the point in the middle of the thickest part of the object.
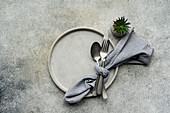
(101, 82)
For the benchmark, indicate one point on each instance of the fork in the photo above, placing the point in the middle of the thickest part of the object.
(103, 54)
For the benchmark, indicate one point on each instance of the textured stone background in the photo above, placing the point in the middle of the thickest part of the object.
(28, 29)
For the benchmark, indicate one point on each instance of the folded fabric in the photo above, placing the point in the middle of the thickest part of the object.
(129, 50)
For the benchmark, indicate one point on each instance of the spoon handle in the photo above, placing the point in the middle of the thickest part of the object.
(101, 88)
(95, 87)
(104, 94)
(96, 83)
(100, 83)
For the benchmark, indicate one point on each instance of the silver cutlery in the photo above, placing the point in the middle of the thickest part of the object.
(95, 54)
(103, 54)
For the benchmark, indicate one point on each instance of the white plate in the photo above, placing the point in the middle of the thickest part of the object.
(70, 58)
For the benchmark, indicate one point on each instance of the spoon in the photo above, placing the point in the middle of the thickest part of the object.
(95, 54)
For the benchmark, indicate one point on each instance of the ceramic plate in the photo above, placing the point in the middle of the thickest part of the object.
(70, 58)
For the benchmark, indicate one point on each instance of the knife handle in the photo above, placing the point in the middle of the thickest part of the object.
(101, 82)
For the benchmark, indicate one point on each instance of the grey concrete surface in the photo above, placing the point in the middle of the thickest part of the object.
(28, 29)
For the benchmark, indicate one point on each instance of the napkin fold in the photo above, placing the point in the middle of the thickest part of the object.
(129, 50)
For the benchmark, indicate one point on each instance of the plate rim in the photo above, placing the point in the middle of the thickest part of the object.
(58, 39)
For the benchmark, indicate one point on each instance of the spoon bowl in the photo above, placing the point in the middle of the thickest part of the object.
(95, 51)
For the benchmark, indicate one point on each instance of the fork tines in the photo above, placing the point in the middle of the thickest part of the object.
(105, 45)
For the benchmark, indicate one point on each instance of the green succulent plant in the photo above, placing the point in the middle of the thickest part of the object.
(121, 25)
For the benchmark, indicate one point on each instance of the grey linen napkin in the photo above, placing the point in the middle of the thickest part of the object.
(129, 50)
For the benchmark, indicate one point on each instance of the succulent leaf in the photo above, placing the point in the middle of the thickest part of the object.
(121, 25)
